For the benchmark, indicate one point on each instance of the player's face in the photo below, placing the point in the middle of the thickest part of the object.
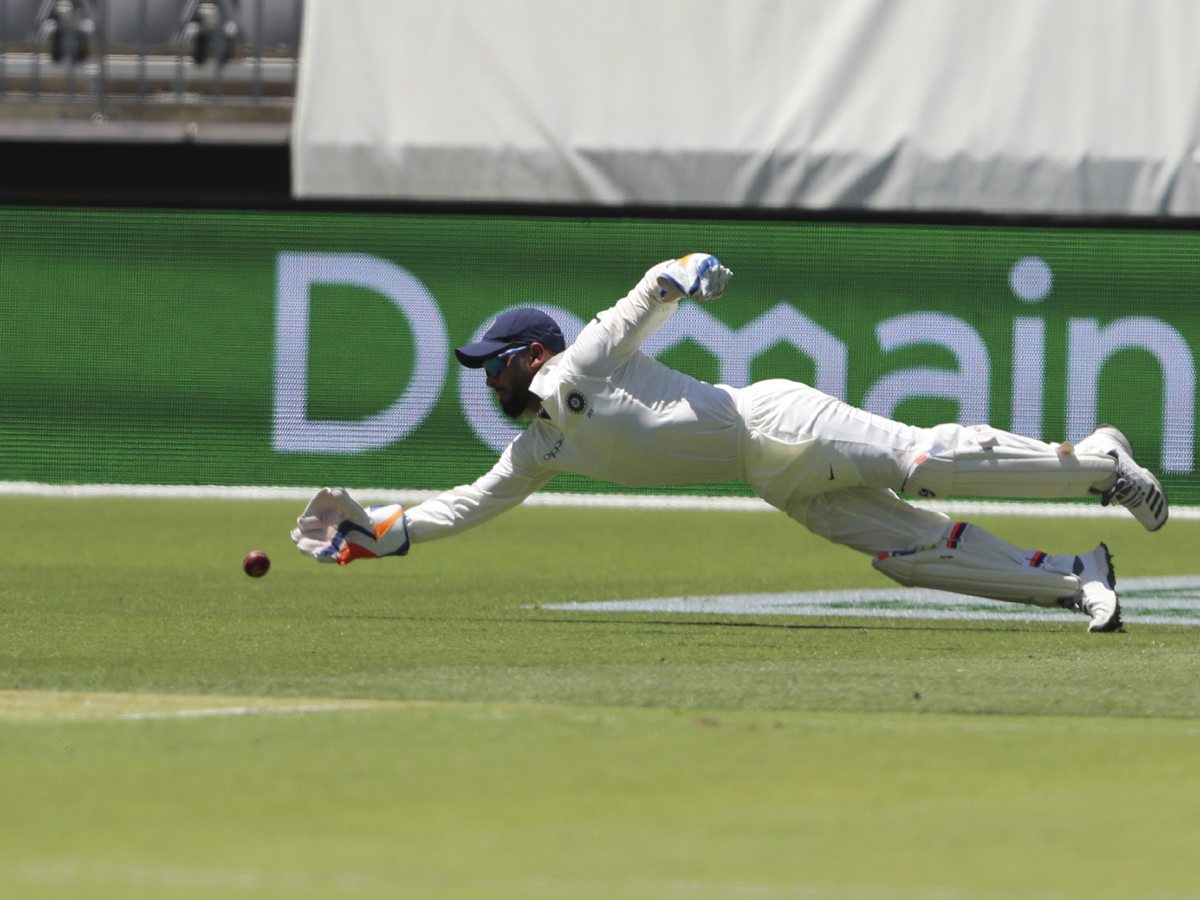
(512, 385)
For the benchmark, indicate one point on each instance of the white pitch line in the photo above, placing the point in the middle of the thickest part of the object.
(407, 496)
(1145, 601)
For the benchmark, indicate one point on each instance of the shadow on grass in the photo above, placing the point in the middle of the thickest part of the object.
(875, 624)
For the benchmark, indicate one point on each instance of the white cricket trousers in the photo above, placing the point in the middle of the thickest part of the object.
(836, 469)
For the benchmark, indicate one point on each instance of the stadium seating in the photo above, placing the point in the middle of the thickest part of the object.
(148, 66)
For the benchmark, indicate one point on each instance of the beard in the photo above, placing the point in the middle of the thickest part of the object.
(517, 401)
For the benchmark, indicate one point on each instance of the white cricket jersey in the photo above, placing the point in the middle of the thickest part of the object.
(610, 412)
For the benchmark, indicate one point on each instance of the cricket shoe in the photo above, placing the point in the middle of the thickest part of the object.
(1135, 488)
(1097, 596)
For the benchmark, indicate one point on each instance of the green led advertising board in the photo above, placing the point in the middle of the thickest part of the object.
(308, 348)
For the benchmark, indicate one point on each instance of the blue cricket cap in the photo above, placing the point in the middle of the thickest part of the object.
(513, 328)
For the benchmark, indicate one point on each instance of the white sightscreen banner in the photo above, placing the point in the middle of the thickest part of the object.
(1057, 106)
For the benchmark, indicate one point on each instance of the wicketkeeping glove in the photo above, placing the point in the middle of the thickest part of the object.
(335, 528)
(698, 276)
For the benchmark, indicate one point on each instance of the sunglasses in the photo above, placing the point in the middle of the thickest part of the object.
(494, 365)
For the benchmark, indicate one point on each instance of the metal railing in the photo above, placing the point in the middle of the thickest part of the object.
(147, 61)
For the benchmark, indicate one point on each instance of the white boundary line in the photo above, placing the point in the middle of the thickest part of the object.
(1081, 510)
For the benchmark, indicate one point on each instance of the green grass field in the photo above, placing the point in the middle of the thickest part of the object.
(422, 728)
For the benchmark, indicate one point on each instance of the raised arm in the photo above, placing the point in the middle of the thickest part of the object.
(617, 333)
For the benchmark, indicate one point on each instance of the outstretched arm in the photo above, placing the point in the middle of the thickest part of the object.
(510, 481)
(336, 528)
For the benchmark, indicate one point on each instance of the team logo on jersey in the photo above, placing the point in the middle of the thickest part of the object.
(576, 402)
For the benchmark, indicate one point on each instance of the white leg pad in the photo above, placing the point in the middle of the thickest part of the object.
(971, 561)
(980, 461)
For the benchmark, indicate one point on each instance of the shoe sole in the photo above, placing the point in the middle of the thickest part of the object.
(1156, 489)
(1113, 624)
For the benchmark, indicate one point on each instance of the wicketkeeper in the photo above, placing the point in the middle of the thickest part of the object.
(605, 409)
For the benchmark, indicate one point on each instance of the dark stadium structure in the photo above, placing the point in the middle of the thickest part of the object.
(147, 101)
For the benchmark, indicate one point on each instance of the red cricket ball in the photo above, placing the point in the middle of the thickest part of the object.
(256, 563)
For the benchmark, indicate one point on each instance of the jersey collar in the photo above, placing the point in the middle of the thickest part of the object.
(545, 385)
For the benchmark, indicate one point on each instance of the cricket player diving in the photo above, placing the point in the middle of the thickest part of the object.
(603, 408)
